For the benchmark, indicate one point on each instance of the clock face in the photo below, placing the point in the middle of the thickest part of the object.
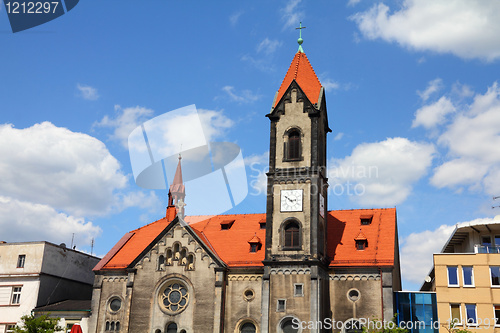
(322, 205)
(291, 200)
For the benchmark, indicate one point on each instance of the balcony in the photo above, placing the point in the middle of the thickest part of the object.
(486, 249)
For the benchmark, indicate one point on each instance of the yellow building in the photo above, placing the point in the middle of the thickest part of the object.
(466, 278)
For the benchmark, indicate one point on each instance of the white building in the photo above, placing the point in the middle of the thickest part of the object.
(34, 274)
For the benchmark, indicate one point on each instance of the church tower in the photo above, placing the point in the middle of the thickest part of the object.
(295, 255)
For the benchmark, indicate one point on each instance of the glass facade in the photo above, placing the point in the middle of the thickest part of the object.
(417, 312)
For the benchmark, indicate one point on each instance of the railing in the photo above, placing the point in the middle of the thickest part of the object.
(486, 249)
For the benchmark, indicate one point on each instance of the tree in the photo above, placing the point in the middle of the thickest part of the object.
(42, 324)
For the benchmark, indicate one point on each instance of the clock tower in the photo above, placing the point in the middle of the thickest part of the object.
(296, 211)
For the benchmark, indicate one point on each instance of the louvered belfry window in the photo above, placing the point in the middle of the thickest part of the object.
(294, 145)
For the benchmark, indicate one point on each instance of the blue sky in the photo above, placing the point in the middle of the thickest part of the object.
(411, 90)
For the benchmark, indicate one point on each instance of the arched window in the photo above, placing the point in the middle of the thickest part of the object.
(158, 331)
(161, 262)
(287, 326)
(172, 328)
(292, 235)
(294, 145)
(112, 326)
(117, 325)
(107, 326)
(248, 328)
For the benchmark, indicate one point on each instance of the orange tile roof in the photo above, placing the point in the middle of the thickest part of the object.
(303, 73)
(344, 226)
(133, 247)
(232, 245)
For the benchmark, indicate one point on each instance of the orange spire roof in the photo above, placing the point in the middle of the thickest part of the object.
(302, 72)
(177, 185)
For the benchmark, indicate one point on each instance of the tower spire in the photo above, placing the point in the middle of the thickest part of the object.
(177, 191)
(300, 40)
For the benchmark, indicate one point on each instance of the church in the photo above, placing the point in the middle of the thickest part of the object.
(298, 267)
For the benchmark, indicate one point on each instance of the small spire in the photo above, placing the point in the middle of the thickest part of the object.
(300, 40)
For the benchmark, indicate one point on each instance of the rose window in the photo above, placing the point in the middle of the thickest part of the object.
(174, 297)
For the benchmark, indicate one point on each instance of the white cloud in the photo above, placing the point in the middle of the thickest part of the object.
(234, 18)
(339, 136)
(381, 173)
(467, 29)
(53, 166)
(417, 249)
(291, 15)
(352, 3)
(245, 96)
(22, 221)
(473, 143)
(432, 87)
(125, 121)
(87, 92)
(140, 199)
(330, 85)
(431, 115)
(268, 46)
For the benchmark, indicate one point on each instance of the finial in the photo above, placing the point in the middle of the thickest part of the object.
(300, 40)
(180, 157)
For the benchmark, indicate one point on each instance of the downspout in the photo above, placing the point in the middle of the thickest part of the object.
(381, 293)
(223, 305)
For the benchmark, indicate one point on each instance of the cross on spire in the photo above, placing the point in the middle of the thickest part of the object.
(300, 40)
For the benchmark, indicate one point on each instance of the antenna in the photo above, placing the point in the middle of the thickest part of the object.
(494, 198)
(72, 238)
(92, 246)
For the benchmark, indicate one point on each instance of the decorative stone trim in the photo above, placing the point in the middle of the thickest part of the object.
(245, 278)
(355, 277)
(289, 271)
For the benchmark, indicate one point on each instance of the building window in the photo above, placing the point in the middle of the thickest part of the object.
(298, 289)
(361, 244)
(292, 236)
(496, 309)
(254, 247)
(21, 260)
(287, 326)
(248, 328)
(115, 304)
(366, 219)
(173, 297)
(456, 315)
(452, 276)
(293, 145)
(353, 295)
(470, 310)
(468, 275)
(172, 328)
(9, 328)
(495, 276)
(16, 295)
(262, 225)
(281, 305)
(248, 295)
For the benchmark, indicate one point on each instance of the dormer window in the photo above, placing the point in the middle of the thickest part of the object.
(262, 224)
(361, 241)
(226, 224)
(255, 244)
(366, 219)
(293, 145)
